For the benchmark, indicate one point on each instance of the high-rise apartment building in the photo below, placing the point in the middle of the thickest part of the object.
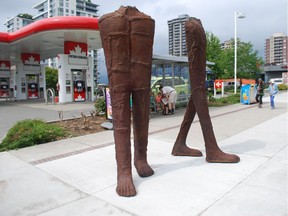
(276, 49)
(51, 8)
(227, 44)
(15, 23)
(177, 36)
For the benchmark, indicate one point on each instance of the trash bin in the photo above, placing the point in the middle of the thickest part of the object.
(248, 93)
(56, 99)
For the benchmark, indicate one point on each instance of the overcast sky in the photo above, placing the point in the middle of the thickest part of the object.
(263, 17)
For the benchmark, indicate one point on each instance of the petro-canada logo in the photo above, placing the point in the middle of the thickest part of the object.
(77, 53)
(30, 59)
(4, 66)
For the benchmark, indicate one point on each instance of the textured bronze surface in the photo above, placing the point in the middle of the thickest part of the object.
(127, 38)
(196, 45)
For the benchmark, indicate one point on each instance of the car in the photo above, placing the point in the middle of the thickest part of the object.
(277, 80)
(180, 84)
(227, 84)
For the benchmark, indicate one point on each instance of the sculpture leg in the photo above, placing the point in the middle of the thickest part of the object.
(140, 123)
(213, 153)
(180, 148)
(124, 39)
(196, 44)
(142, 33)
(115, 40)
(122, 133)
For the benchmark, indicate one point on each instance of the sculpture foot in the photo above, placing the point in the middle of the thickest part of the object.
(222, 157)
(143, 169)
(125, 187)
(186, 151)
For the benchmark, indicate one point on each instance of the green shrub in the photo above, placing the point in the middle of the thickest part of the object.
(282, 87)
(223, 100)
(180, 105)
(100, 105)
(234, 98)
(210, 97)
(30, 132)
(230, 99)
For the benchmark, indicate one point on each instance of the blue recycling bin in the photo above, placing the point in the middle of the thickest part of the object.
(248, 93)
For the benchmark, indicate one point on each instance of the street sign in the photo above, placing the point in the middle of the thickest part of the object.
(218, 83)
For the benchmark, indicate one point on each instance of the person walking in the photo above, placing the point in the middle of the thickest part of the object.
(171, 95)
(260, 92)
(272, 89)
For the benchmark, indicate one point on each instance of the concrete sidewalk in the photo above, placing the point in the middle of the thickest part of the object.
(78, 176)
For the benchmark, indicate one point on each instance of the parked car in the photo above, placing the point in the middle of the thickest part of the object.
(227, 84)
(181, 86)
(277, 80)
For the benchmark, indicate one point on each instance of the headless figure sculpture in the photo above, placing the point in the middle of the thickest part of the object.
(196, 45)
(127, 39)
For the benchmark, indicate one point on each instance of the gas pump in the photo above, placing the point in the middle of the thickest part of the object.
(33, 90)
(79, 90)
(32, 86)
(4, 89)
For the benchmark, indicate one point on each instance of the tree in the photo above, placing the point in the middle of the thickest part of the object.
(25, 16)
(226, 64)
(213, 51)
(51, 77)
(248, 62)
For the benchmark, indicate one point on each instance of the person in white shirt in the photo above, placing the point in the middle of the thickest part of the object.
(273, 89)
(171, 95)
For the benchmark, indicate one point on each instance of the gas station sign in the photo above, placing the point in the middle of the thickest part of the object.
(77, 52)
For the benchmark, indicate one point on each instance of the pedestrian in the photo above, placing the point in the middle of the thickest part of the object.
(272, 89)
(158, 101)
(171, 95)
(260, 92)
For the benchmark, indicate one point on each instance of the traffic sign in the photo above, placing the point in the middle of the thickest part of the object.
(218, 83)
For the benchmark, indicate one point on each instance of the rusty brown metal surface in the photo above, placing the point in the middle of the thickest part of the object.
(196, 45)
(127, 37)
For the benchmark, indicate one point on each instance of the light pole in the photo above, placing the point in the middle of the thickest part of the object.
(240, 16)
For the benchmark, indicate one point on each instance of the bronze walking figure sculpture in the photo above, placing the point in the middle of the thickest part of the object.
(127, 38)
(196, 45)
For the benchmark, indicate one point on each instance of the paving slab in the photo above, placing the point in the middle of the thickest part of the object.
(264, 192)
(26, 190)
(89, 206)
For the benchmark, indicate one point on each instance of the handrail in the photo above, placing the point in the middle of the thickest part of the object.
(52, 95)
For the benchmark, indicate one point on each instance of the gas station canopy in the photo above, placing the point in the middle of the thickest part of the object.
(46, 37)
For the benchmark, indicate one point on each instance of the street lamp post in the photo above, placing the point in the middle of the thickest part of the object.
(240, 16)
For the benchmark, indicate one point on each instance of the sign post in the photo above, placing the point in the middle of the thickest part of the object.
(218, 84)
